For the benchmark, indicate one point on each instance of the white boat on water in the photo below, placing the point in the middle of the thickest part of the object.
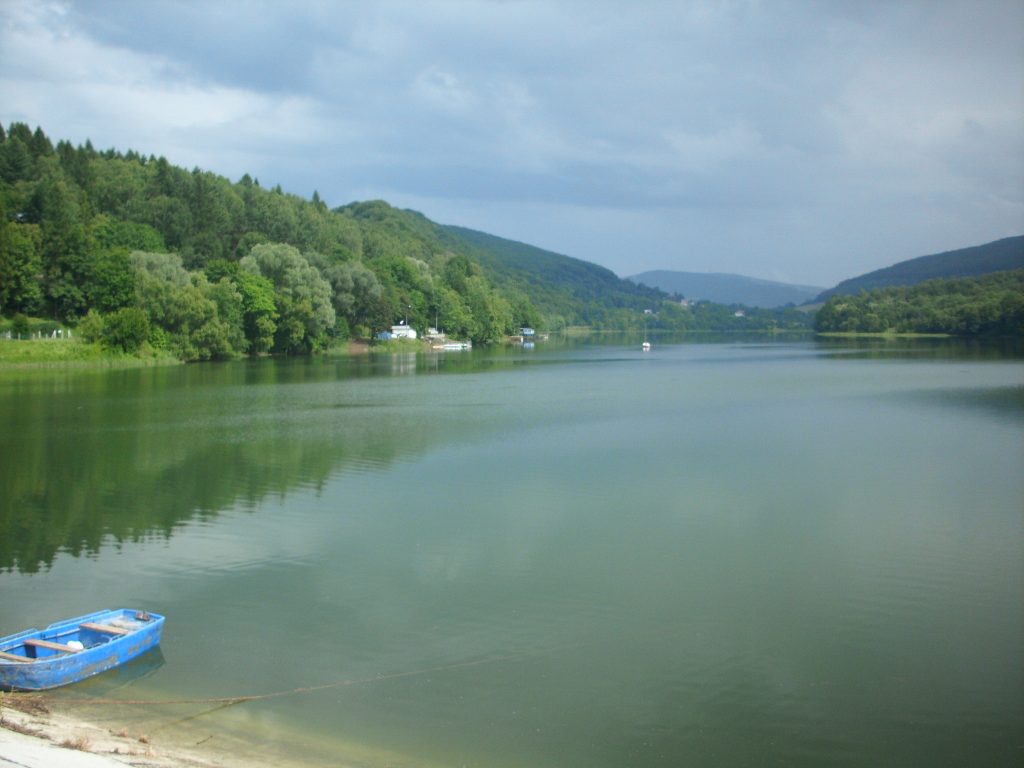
(646, 346)
(451, 346)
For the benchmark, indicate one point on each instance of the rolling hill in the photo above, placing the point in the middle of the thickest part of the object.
(137, 253)
(727, 289)
(556, 284)
(997, 256)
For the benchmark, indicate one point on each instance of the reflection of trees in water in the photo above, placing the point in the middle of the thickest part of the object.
(90, 458)
(920, 348)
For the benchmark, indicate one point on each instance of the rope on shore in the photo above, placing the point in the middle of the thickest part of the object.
(230, 700)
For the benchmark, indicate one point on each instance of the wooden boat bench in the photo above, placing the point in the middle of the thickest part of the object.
(105, 628)
(14, 657)
(52, 646)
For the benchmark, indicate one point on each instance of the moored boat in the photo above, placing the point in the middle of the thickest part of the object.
(74, 649)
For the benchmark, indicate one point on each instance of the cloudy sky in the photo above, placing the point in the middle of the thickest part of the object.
(799, 141)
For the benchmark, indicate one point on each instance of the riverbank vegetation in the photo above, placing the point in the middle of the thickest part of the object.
(135, 254)
(46, 353)
(992, 305)
(130, 250)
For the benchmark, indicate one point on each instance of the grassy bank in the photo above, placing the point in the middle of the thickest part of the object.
(74, 353)
(58, 353)
(399, 345)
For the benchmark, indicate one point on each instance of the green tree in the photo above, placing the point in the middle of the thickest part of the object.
(181, 308)
(303, 296)
(354, 288)
(65, 248)
(20, 325)
(231, 311)
(273, 215)
(21, 267)
(170, 217)
(126, 329)
(108, 283)
(259, 309)
(493, 315)
(15, 161)
(257, 303)
(77, 165)
(91, 327)
(453, 316)
(108, 232)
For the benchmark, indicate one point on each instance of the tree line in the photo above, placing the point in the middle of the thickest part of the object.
(991, 305)
(133, 250)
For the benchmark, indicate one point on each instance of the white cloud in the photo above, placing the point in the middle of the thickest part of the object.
(815, 140)
(127, 99)
(441, 89)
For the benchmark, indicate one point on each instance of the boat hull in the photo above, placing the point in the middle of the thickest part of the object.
(36, 660)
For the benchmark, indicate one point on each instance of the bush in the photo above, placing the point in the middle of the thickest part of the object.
(126, 329)
(19, 324)
(91, 327)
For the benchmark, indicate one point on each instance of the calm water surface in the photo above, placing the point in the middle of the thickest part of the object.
(581, 555)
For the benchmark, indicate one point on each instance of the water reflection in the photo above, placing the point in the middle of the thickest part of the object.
(927, 348)
(125, 455)
(111, 681)
(576, 555)
(130, 454)
(999, 403)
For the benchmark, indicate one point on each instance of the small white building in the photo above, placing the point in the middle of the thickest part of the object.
(403, 332)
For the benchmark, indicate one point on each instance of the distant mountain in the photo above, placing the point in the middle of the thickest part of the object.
(997, 256)
(571, 291)
(727, 289)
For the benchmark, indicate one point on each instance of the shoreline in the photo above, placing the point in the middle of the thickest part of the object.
(39, 736)
(42, 733)
(109, 361)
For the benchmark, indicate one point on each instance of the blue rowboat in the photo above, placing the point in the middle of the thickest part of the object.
(74, 649)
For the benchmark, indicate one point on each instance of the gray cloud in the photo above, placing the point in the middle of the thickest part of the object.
(790, 140)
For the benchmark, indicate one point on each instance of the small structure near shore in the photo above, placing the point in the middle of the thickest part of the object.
(401, 331)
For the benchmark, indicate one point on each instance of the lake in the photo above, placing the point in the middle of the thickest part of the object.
(735, 552)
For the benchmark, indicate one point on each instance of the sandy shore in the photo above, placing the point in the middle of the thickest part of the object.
(38, 733)
(34, 736)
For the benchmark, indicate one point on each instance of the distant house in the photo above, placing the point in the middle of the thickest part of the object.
(527, 331)
(403, 332)
(739, 313)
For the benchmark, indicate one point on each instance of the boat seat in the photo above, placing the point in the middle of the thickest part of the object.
(52, 646)
(105, 628)
(14, 657)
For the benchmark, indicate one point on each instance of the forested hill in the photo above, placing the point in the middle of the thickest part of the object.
(727, 289)
(560, 286)
(135, 252)
(997, 256)
(990, 305)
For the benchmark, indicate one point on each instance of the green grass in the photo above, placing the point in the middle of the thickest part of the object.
(399, 345)
(55, 353)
